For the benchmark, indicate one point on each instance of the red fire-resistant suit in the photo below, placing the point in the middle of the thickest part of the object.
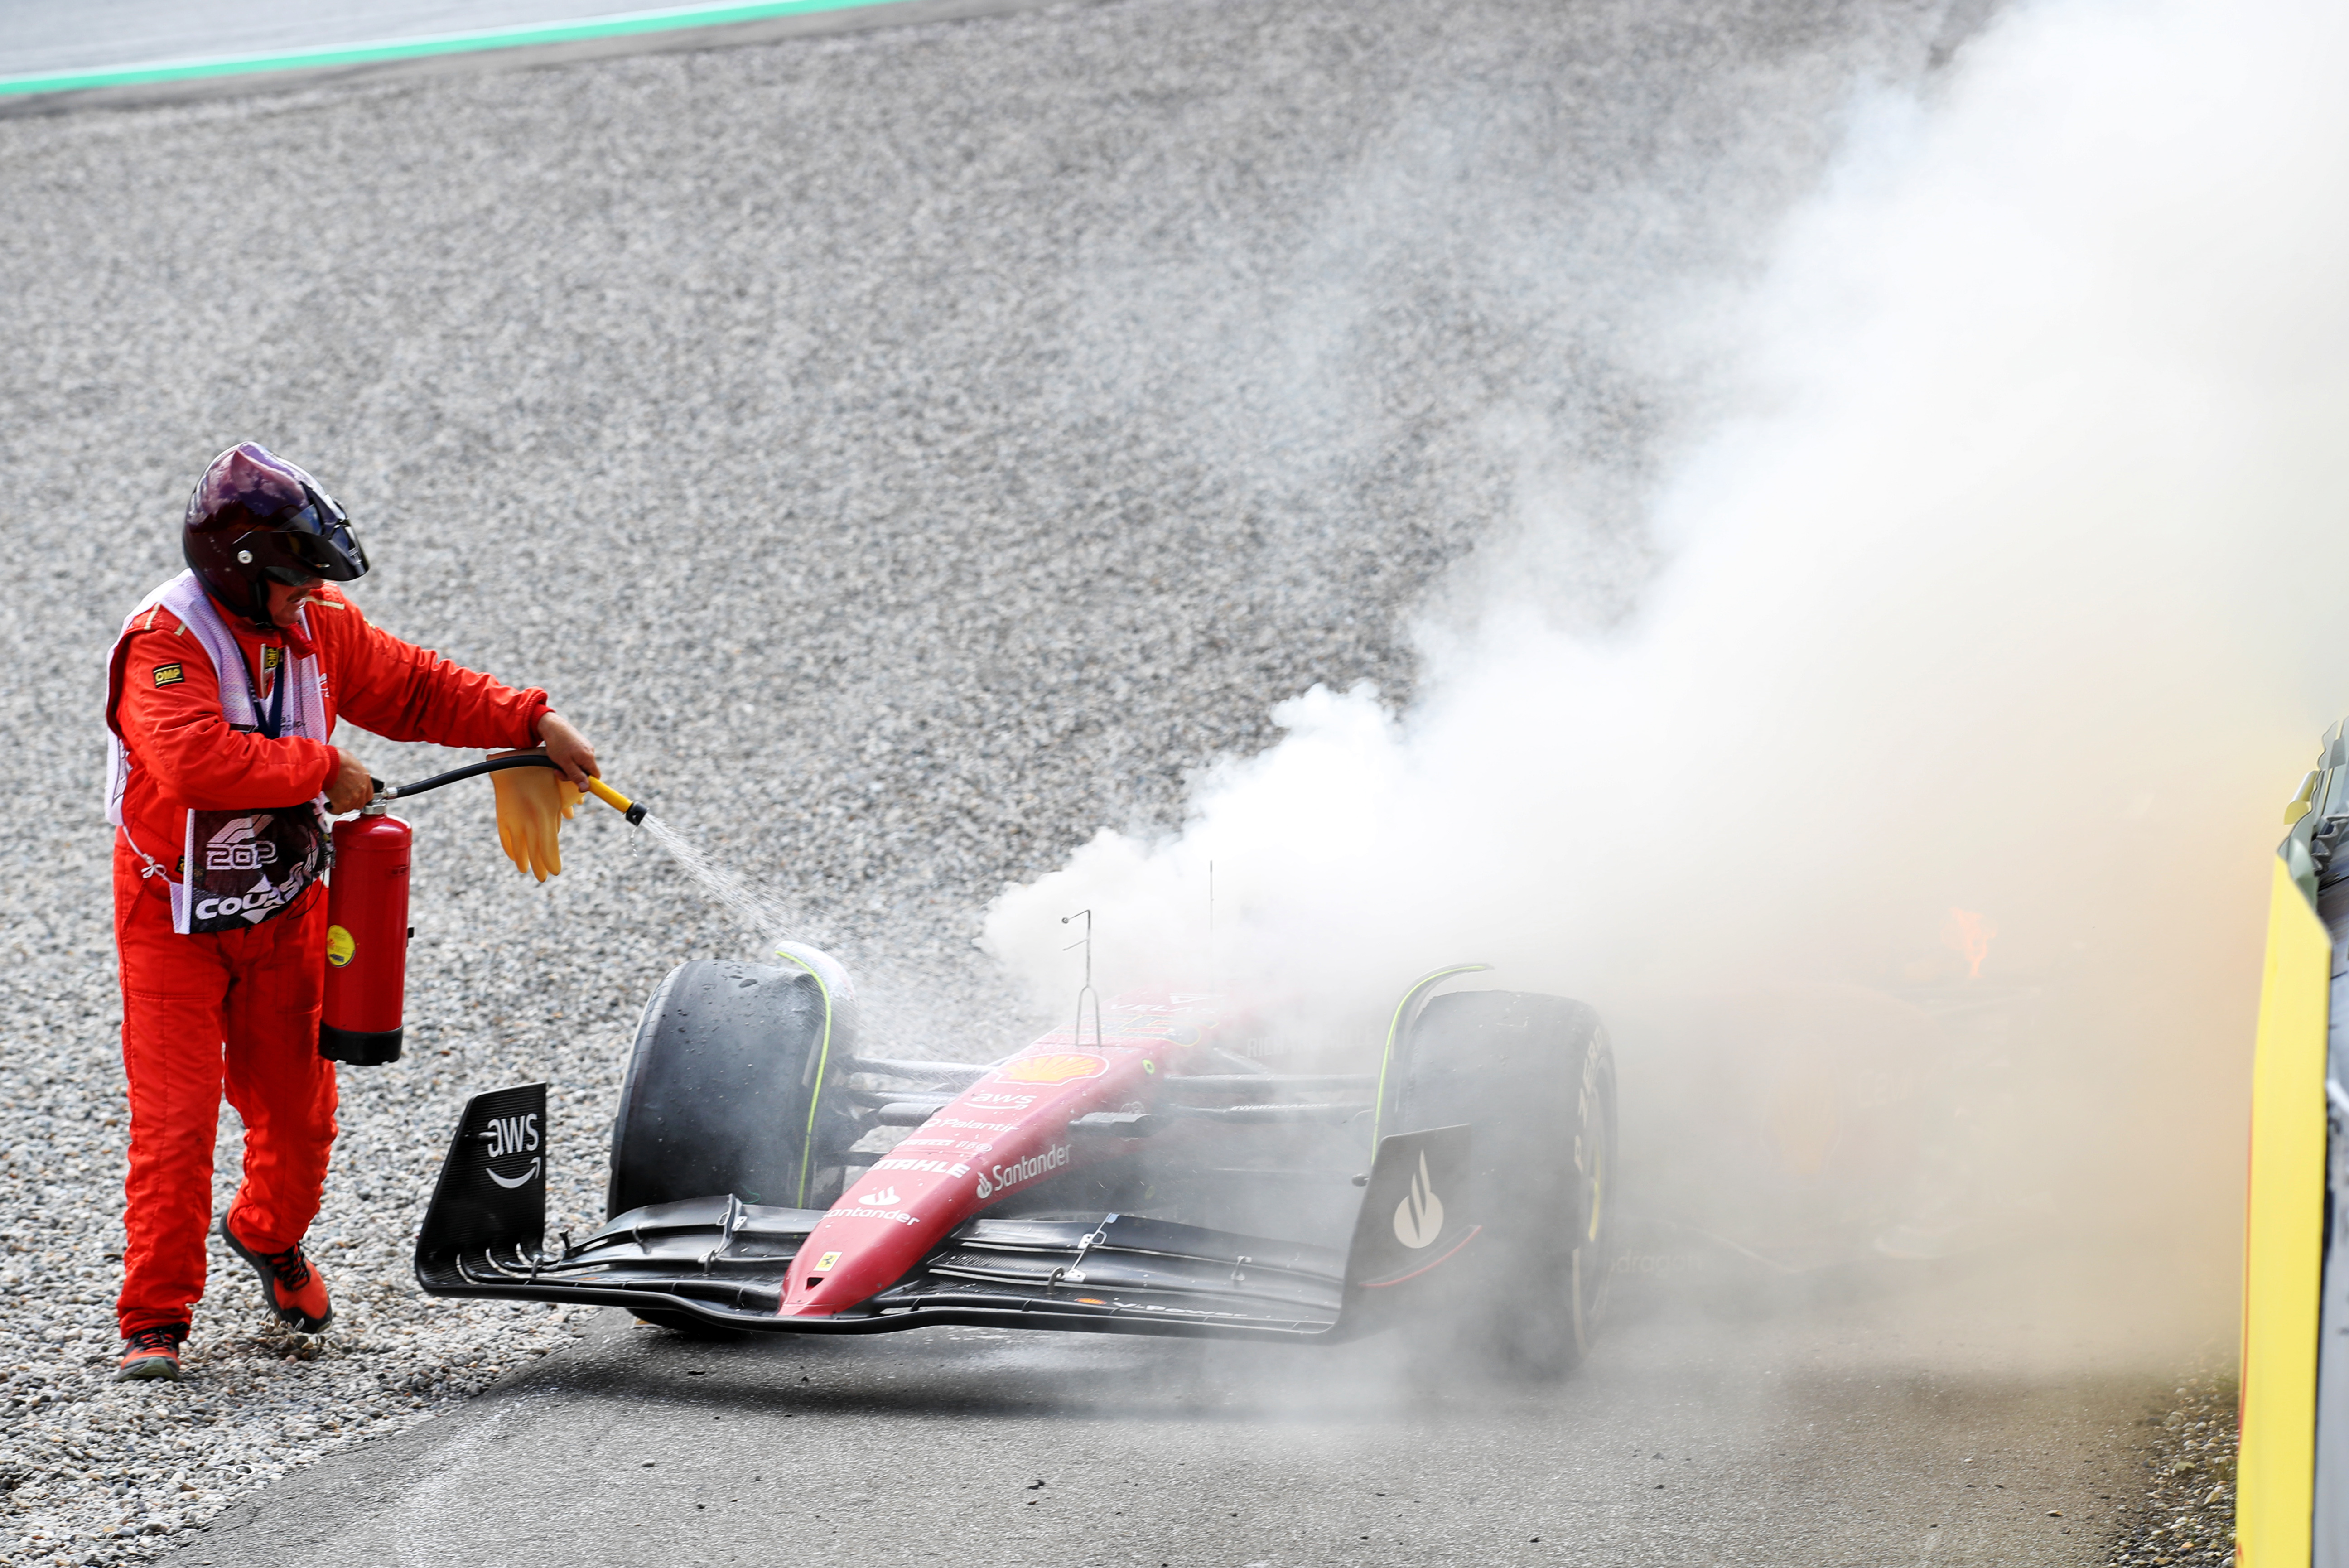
(239, 1009)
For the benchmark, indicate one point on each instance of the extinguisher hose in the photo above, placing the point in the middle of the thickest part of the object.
(633, 810)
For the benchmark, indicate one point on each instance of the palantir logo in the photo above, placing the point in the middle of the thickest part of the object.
(239, 846)
(512, 1135)
(1418, 1218)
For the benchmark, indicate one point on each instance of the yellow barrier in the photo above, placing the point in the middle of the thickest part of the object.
(2283, 1237)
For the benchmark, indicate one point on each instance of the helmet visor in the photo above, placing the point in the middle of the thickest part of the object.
(318, 540)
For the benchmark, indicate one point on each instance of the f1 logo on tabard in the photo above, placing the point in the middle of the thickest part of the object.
(239, 846)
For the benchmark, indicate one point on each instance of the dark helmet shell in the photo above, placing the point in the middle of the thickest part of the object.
(253, 518)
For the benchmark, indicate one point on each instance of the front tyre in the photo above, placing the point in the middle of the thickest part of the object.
(1534, 1078)
(726, 1091)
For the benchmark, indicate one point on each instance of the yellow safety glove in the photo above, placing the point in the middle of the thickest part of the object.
(532, 806)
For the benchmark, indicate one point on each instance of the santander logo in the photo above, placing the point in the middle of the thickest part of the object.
(998, 1177)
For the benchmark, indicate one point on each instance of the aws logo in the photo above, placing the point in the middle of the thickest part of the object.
(509, 1135)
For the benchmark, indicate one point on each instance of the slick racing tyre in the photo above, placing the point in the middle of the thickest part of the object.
(725, 1092)
(1535, 1079)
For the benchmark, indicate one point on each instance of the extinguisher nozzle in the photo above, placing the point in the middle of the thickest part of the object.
(596, 787)
(616, 801)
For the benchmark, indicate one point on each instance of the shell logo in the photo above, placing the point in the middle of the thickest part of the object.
(1063, 1068)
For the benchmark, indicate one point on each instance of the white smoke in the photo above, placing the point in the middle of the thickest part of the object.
(2007, 578)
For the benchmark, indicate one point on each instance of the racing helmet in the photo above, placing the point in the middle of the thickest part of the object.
(254, 518)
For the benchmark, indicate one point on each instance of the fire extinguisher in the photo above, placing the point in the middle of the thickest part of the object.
(367, 939)
(367, 916)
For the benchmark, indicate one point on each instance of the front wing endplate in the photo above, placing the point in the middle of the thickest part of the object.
(724, 1261)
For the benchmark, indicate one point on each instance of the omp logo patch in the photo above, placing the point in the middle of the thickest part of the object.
(169, 674)
(271, 658)
(1061, 1067)
(239, 846)
(509, 1135)
(1418, 1218)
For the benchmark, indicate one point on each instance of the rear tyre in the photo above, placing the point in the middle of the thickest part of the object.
(723, 1087)
(1533, 1077)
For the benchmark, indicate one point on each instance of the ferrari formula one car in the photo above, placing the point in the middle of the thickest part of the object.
(1145, 1175)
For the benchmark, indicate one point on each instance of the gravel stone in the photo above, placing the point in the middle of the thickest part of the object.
(2187, 1514)
(904, 453)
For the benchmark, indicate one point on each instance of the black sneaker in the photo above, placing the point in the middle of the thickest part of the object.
(152, 1352)
(296, 1295)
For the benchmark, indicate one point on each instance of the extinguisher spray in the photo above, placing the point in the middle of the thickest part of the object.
(367, 916)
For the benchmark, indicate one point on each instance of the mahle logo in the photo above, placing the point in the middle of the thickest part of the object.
(929, 1167)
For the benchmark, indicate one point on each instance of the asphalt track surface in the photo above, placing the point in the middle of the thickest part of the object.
(1823, 1435)
(907, 451)
(44, 36)
(129, 53)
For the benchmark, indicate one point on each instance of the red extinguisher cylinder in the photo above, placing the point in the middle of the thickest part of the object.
(367, 941)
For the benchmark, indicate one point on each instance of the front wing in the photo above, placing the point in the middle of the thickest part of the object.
(723, 1262)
